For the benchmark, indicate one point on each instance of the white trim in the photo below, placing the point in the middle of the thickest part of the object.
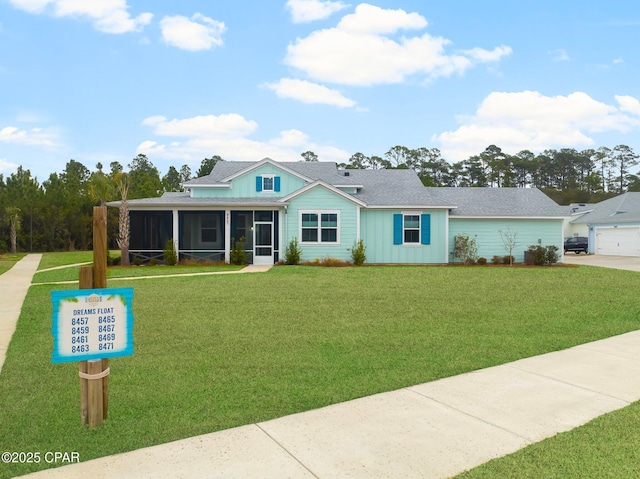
(208, 185)
(227, 235)
(266, 161)
(419, 215)
(273, 183)
(321, 183)
(413, 207)
(446, 236)
(319, 228)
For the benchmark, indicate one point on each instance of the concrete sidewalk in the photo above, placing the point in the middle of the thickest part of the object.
(14, 285)
(432, 430)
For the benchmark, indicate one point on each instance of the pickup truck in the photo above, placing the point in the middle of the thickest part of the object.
(577, 244)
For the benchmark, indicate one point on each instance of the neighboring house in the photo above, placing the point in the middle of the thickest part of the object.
(613, 225)
(575, 211)
(486, 212)
(328, 209)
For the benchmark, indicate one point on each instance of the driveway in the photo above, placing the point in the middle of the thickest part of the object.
(631, 263)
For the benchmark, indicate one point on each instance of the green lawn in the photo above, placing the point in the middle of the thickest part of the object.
(53, 260)
(7, 261)
(214, 352)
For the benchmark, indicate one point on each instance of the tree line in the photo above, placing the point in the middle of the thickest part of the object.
(57, 214)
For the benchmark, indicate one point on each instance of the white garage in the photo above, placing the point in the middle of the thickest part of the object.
(617, 240)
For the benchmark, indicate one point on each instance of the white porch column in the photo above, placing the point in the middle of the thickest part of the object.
(227, 235)
(176, 232)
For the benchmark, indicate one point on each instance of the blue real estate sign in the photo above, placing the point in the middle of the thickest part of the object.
(92, 324)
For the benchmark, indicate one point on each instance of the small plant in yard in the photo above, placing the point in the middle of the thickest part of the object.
(482, 261)
(238, 255)
(496, 259)
(358, 253)
(508, 260)
(509, 240)
(169, 254)
(293, 252)
(137, 261)
(465, 249)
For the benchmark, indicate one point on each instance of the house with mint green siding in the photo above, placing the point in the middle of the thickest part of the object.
(266, 204)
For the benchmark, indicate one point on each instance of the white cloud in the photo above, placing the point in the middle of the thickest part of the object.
(628, 104)
(559, 55)
(7, 167)
(529, 120)
(304, 11)
(308, 92)
(194, 34)
(109, 16)
(228, 136)
(222, 126)
(360, 50)
(33, 137)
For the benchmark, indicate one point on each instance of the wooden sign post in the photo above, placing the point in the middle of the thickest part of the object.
(92, 326)
(94, 393)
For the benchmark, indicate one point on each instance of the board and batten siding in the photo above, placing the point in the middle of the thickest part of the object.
(322, 199)
(545, 232)
(244, 186)
(377, 232)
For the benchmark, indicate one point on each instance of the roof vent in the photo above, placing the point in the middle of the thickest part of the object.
(346, 173)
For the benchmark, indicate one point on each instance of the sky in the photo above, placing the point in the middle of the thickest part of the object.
(105, 80)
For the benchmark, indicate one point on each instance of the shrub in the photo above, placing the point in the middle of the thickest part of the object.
(238, 255)
(536, 255)
(358, 255)
(551, 254)
(293, 252)
(508, 259)
(137, 261)
(170, 256)
(496, 259)
(482, 261)
(327, 261)
(465, 249)
(153, 262)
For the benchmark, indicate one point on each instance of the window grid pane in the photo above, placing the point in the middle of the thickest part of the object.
(267, 183)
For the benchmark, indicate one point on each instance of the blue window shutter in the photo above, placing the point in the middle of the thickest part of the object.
(258, 183)
(397, 229)
(425, 229)
(276, 183)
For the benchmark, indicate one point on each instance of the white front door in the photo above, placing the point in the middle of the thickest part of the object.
(263, 242)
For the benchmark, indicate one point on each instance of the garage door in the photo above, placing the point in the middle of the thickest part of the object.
(621, 241)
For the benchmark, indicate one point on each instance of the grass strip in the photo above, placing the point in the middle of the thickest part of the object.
(604, 447)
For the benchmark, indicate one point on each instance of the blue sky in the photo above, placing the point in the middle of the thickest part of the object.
(104, 80)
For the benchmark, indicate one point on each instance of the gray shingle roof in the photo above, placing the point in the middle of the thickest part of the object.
(379, 188)
(499, 202)
(624, 208)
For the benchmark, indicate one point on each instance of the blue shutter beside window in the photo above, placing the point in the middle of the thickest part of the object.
(276, 183)
(425, 229)
(397, 229)
(258, 183)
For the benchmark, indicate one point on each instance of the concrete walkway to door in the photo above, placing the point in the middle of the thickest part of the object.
(631, 263)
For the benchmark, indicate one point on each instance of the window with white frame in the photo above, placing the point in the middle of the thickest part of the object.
(411, 228)
(267, 183)
(320, 227)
